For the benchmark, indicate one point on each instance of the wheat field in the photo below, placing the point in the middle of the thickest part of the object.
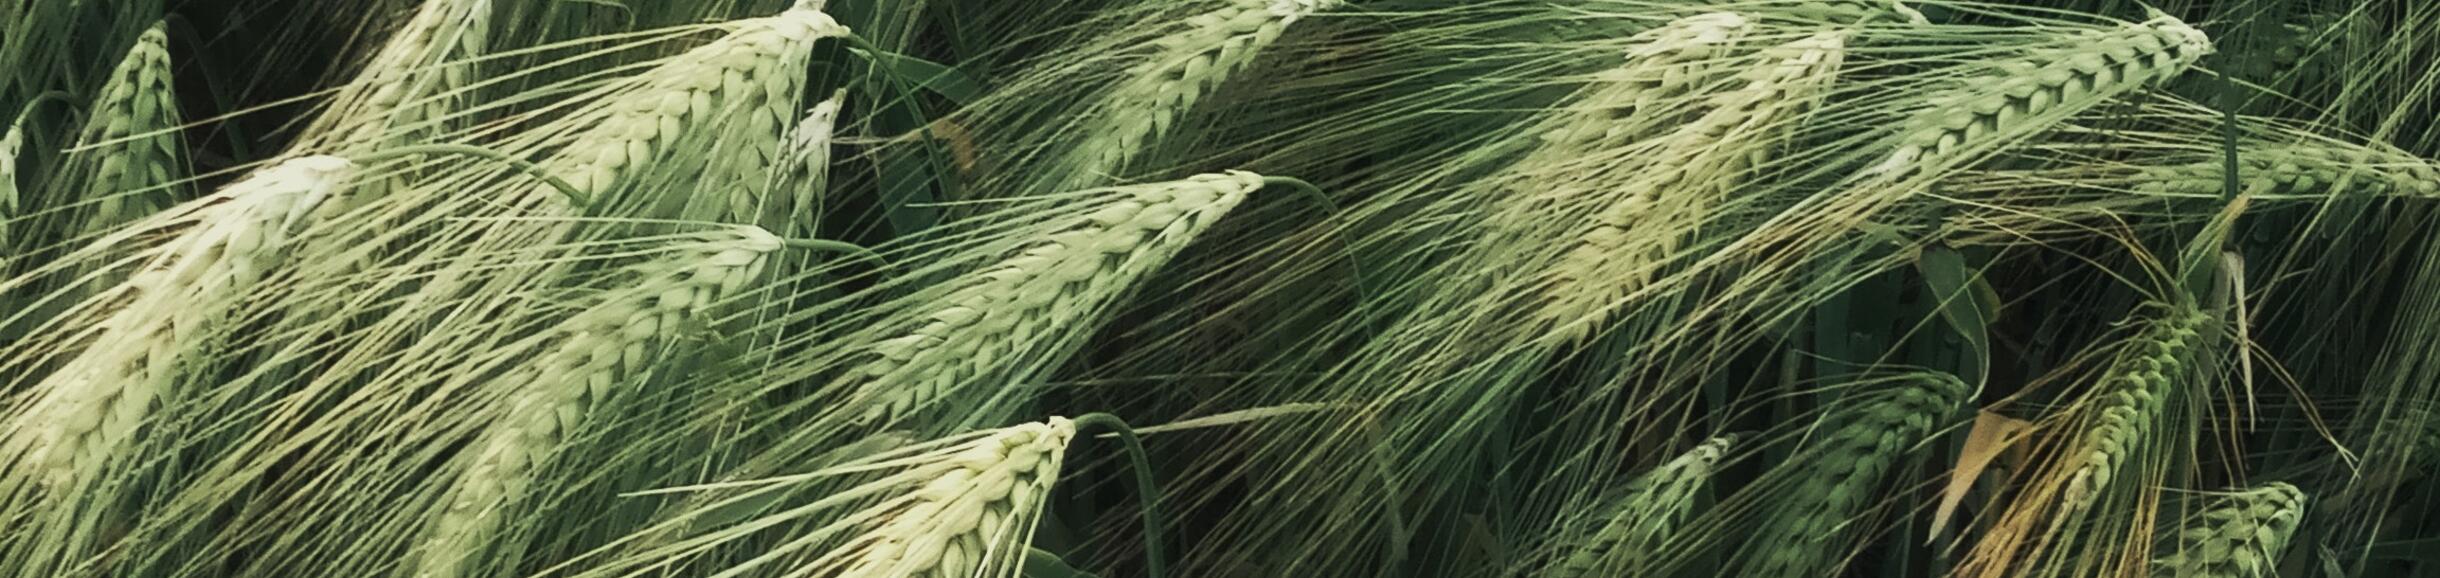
(1219, 288)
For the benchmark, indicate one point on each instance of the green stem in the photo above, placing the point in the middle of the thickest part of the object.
(575, 197)
(1144, 485)
(1355, 268)
(47, 96)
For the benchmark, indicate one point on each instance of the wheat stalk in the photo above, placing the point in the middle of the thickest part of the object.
(132, 137)
(2242, 537)
(592, 353)
(1009, 315)
(2161, 357)
(2020, 97)
(1184, 66)
(1661, 199)
(93, 405)
(1645, 514)
(975, 513)
(1842, 473)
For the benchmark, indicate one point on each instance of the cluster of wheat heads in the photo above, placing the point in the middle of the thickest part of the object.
(1670, 288)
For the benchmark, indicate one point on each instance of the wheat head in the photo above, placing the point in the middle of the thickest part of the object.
(2161, 357)
(975, 514)
(1661, 199)
(1010, 314)
(94, 403)
(2241, 537)
(132, 137)
(591, 354)
(1644, 516)
(756, 70)
(2047, 85)
(1183, 67)
(1842, 474)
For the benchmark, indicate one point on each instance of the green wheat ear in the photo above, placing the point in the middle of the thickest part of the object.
(2241, 536)
(591, 356)
(1843, 473)
(1184, 67)
(131, 141)
(1645, 514)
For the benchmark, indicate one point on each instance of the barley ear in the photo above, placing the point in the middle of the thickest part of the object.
(1844, 473)
(1644, 515)
(2241, 536)
(590, 357)
(131, 141)
(1012, 317)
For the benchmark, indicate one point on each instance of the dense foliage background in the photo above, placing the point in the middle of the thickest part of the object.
(459, 288)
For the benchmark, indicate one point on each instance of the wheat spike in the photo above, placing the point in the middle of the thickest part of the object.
(93, 405)
(590, 355)
(974, 514)
(1663, 65)
(756, 70)
(132, 137)
(1841, 474)
(407, 91)
(808, 166)
(2022, 96)
(1662, 197)
(2161, 357)
(1184, 67)
(1010, 314)
(2242, 537)
(2301, 169)
(1645, 514)
(1852, 11)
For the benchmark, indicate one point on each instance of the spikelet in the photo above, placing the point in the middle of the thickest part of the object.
(2021, 97)
(591, 354)
(1643, 517)
(2160, 358)
(2242, 536)
(1185, 66)
(95, 403)
(742, 87)
(1842, 474)
(975, 512)
(1661, 199)
(1008, 317)
(131, 141)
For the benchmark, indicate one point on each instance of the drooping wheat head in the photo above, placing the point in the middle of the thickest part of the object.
(975, 514)
(1001, 322)
(95, 403)
(807, 170)
(408, 91)
(1843, 473)
(2301, 170)
(1659, 201)
(590, 356)
(2161, 357)
(132, 138)
(2016, 98)
(1643, 517)
(2242, 536)
(1184, 67)
(736, 91)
